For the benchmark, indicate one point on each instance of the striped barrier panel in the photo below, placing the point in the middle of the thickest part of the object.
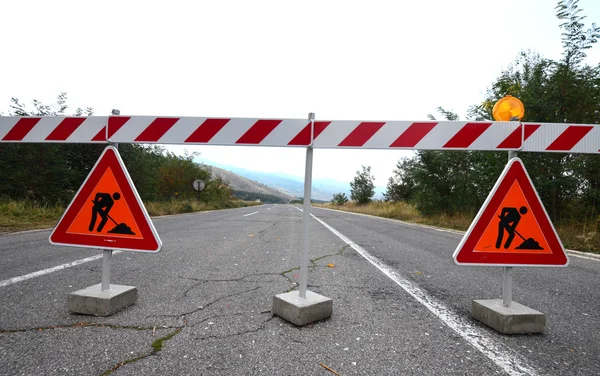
(411, 135)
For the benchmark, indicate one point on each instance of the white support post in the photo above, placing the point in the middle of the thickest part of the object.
(306, 211)
(106, 260)
(107, 254)
(507, 270)
(507, 287)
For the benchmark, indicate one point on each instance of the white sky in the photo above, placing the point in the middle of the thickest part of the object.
(343, 60)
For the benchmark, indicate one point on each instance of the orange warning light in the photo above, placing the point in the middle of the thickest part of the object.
(508, 108)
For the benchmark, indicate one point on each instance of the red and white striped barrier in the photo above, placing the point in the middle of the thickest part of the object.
(213, 131)
(556, 137)
(327, 134)
(412, 135)
(76, 129)
(440, 135)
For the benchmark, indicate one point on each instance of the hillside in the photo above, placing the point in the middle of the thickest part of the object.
(322, 189)
(249, 189)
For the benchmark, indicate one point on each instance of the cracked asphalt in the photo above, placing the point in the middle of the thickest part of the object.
(204, 305)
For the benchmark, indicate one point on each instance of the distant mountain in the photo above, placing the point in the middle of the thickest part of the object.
(249, 189)
(322, 189)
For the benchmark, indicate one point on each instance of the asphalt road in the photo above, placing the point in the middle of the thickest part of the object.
(401, 306)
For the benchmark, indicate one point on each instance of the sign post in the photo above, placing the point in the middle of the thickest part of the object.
(199, 186)
(106, 261)
(507, 270)
(303, 307)
(512, 208)
(106, 195)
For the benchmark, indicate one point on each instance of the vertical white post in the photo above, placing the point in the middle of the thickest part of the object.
(107, 254)
(106, 259)
(507, 287)
(306, 210)
(507, 272)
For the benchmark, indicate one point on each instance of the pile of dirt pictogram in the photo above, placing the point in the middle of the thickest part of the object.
(122, 228)
(529, 244)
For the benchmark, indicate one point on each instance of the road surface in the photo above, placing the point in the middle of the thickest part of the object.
(401, 306)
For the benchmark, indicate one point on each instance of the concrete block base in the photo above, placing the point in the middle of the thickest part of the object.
(291, 307)
(94, 301)
(517, 319)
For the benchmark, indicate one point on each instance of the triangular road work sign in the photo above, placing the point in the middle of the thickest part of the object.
(107, 212)
(512, 228)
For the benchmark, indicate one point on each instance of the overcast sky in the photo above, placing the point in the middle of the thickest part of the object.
(343, 60)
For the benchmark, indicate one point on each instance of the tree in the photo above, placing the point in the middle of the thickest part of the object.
(552, 91)
(575, 39)
(400, 186)
(362, 188)
(565, 91)
(340, 199)
(52, 173)
(47, 173)
(442, 181)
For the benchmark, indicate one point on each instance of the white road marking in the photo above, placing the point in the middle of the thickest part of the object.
(571, 252)
(583, 255)
(245, 215)
(25, 277)
(511, 363)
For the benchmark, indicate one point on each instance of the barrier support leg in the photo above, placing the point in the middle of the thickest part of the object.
(304, 307)
(305, 221)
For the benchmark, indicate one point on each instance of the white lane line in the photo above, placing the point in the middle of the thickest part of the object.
(571, 252)
(25, 277)
(269, 208)
(583, 255)
(511, 363)
(245, 215)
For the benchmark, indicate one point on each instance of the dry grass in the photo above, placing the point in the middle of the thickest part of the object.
(157, 208)
(405, 212)
(583, 237)
(21, 215)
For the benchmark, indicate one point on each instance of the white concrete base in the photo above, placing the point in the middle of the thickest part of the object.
(291, 307)
(517, 319)
(94, 301)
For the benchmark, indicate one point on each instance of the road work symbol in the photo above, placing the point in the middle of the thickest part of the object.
(107, 212)
(103, 202)
(509, 219)
(512, 227)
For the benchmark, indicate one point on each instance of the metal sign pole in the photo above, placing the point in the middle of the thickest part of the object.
(107, 254)
(106, 259)
(507, 272)
(306, 210)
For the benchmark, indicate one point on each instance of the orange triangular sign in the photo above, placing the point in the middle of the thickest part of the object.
(107, 212)
(512, 227)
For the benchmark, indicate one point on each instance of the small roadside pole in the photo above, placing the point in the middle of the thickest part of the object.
(198, 185)
(304, 307)
(107, 188)
(512, 202)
